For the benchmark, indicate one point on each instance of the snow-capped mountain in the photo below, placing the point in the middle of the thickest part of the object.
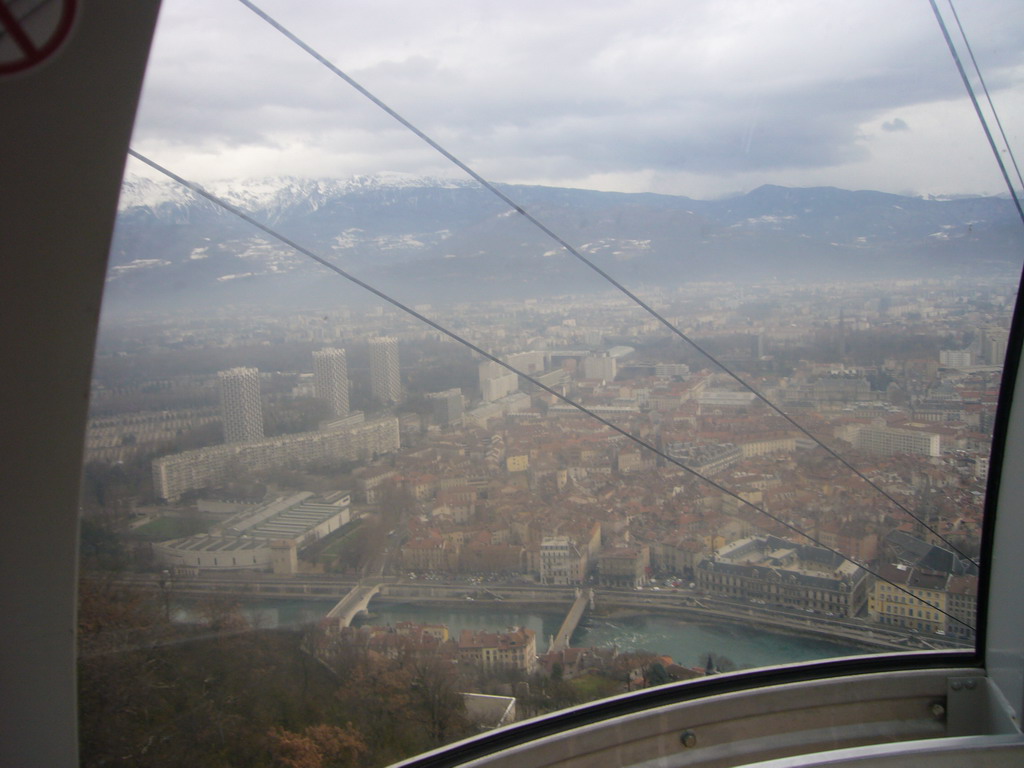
(270, 193)
(439, 238)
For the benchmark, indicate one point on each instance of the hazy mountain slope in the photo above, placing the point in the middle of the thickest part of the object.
(430, 239)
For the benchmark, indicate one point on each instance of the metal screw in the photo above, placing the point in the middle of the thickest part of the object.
(956, 685)
(937, 710)
(688, 738)
(970, 684)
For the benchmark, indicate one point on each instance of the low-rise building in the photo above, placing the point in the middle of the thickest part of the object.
(775, 571)
(707, 460)
(518, 463)
(342, 441)
(885, 441)
(623, 567)
(923, 600)
(561, 561)
(724, 400)
(910, 598)
(371, 481)
(499, 650)
(678, 555)
(249, 540)
(962, 606)
(430, 554)
(496, 558)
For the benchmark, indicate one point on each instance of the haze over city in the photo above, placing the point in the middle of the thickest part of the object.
(315, 524)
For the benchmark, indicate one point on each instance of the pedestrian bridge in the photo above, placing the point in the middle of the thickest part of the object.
(572, 619)
(355, 602)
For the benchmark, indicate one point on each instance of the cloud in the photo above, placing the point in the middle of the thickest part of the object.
(896, 124)
(540, 91)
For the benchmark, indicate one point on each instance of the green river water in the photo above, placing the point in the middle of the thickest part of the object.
(687, 642)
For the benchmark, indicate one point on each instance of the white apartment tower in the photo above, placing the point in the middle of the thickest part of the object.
(446, 407)
(330, 379)
(496, 382)
(240, 407)
(955, 358)
(603, 367)
(385, 378)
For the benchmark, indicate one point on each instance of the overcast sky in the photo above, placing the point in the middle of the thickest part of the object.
(693, 97)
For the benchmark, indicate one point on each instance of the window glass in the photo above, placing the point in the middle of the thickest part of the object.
(319, 527)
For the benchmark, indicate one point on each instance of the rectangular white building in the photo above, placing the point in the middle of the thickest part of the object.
(885, 441)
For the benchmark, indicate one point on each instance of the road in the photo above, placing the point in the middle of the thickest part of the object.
(678, 602)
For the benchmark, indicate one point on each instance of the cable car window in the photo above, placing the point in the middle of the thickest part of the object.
(462, 363)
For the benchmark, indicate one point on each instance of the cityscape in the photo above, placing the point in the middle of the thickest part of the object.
(360, 458)
(492, 382)
(521, 384)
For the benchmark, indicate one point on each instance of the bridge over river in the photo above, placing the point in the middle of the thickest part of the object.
(355, 601)
(359, 599)
(584, 598)
(256, 586)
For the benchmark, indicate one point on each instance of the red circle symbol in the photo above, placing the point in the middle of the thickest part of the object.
(30, 33)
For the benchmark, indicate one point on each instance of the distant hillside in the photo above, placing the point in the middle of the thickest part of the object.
(432, 240)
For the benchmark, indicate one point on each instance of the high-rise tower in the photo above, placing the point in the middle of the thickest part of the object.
(241, 410)
(330, 379)
(385, 378)
(446, 407)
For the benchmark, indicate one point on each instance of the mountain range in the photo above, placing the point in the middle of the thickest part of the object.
(428, 240)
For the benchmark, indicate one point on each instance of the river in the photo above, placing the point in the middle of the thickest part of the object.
(687, 642)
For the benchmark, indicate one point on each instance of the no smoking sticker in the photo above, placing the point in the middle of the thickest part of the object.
(31, 31)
